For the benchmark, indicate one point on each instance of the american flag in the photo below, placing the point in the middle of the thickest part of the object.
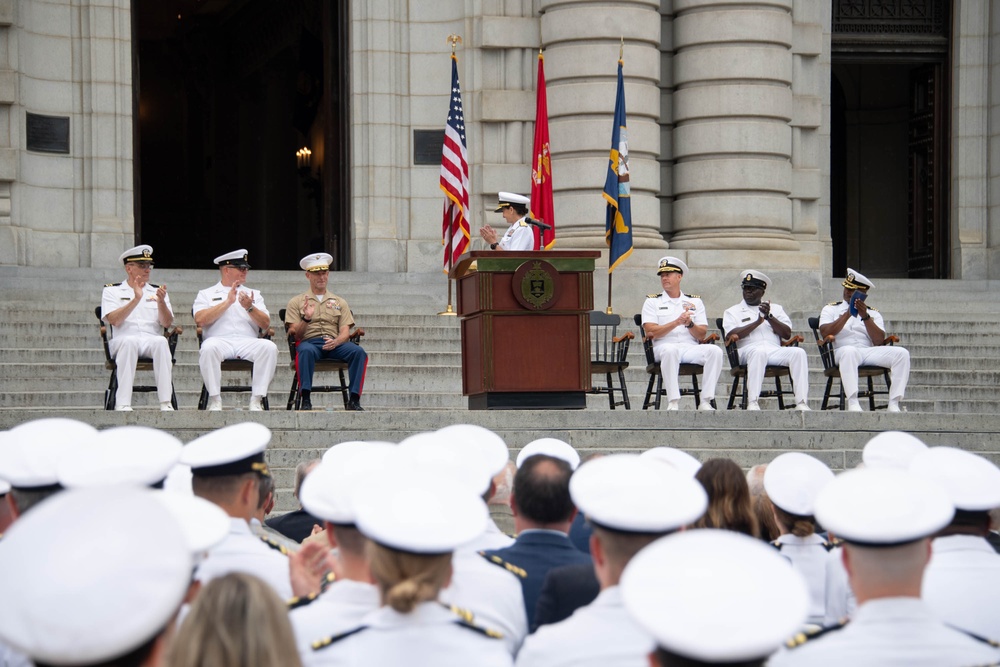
(455, 176)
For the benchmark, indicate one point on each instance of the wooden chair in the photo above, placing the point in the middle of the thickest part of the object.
(656, 377)
(322, 365)
(738, 371)
(832, 371)
(233, 366)
(610, 355)
(144, 364)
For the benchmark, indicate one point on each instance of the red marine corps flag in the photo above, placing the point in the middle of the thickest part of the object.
(455, 175)
(541, 168)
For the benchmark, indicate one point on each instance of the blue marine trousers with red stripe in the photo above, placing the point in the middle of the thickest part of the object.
(310, 350)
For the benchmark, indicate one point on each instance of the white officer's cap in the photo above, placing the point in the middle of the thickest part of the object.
(203, 524)
(857, 280)
(714, 595)
(231, 450)
(754, 277)
(318, 261)
(30, 453)
(448, 456)
(627, 493)
(892, 449)
(115, 560)
(793, 480)
(122, 455)
(971, 481)
(418, 511)
(342, 453)
(677, 458)
(550, 447)
(505, 199)
(179, 480)
(489, 446)
(671, 265)
(238, 258)
(140, 253)
(327, 492)
(881, 506)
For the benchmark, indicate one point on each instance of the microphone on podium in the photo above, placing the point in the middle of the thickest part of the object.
(537, 223)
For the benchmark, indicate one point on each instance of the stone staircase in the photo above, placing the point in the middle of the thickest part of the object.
(51, 362)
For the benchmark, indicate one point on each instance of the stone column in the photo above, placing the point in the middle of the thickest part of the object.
(581, 42)
(11, 237)
(732, 139)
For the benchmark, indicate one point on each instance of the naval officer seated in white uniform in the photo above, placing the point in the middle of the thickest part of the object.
(137, 312)
(514, 208)
(231, 317)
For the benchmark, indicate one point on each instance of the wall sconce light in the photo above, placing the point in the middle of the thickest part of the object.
(303, 157)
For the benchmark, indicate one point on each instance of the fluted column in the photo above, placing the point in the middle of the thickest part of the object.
(732, 106)
(581, 42)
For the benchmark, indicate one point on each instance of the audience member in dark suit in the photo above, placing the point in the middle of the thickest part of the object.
(565, 590)
(297, 525)
(543, 512)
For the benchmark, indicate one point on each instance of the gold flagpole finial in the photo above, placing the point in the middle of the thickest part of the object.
(621, 49)
(454, 39)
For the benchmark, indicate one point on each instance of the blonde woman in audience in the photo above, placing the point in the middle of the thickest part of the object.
(729, 505)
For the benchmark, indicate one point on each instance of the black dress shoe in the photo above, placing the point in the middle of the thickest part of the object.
(354, 406)
(306, 403)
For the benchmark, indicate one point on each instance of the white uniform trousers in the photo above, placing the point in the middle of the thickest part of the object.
(126, 350)
(897, 359)
(263, 353)
(759, 357)
(672, 355)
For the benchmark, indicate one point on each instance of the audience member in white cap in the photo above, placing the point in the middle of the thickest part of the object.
(226, 466)
(859, 341)
(519, 236)
(137, 455)
(759, 328)
(236, 619)
(137, 312)
(892, 449)
(80, 594)
(630, 502)
(414, 523)
(886, 519)
(962, 581)
(321, 322)
(232, 318)
(554, 447)
(677, 458)
(793, 481)
(543, 513)
(713, 597)
(676, 322)
(30, 455)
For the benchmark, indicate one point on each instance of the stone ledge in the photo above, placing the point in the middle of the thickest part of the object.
(505, 32)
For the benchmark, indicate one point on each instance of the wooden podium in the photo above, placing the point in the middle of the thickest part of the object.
(526, 328)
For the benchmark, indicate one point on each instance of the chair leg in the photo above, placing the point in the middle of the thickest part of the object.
(621, 379)
(826, 394)
(173, 397)
(203, 398)
(343, 389)
(109, 393)
(649, 392)
(611, 391)
(264, 403)
(871, 394)
(293, 395)
(781, 397)
(843, 397)
(659, 390)
(697, 394)
(732, 393)
(745, 396)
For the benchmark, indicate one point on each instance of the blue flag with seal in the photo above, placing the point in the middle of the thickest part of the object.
(618, 226)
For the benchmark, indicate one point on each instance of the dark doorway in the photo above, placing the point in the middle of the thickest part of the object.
(227, 93)
(889, 168)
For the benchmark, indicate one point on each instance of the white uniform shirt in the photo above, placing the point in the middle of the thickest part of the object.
(600, 634)
(144, 319)
(840, 600)
(491, 593)
(890, 632)
(809, 557)
(662, 309)
(235, 321)
(962, 584)
(517, 237)
(338, 609)
(741, 315)
(242, 551)
(491, 538)
(429, 635)
(854, 332)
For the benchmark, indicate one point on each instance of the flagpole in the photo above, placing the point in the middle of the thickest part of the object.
(450, 311)
(609, 312)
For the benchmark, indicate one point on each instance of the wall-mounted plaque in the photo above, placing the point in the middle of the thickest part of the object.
(47, 134)
(427, 145)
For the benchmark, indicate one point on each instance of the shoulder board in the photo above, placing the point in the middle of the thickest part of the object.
(298, 602)
(321, 644)
(496, 560)
(487, 632)
(978, 638)
(803, 637)
(828, 545)
(693, 296)
(524, 224)
(112, 284)
(464, 614)
(776, 544)
(875, 310)
(153, 285)
(274, 545)
(835, 303)
(652, 296)
(327, 580)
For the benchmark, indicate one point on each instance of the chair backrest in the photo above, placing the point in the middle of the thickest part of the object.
(732, 351)
(825, 347)
(104, 334)
(603, 330)
(647, 343)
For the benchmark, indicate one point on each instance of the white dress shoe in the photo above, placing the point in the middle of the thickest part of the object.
(854, 406)
(256, 404)
(214, 404)
(706, 407)
(674, 405)
(123, 408)
(166, 407)
(753, 407)
(893, 407)
(804, 407)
